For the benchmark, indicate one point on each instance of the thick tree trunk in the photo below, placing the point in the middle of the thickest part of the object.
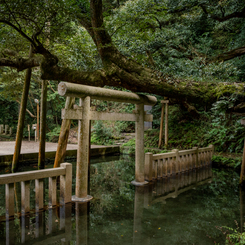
(41, 155)
(20, 127)
(64, 133)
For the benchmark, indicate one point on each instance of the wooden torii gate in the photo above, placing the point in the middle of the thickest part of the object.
(84, 115)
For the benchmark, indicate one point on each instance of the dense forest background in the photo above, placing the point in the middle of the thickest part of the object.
(188, 51)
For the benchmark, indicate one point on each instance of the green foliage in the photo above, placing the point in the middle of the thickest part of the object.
(101, 134)
(131, 142)
(219, 160)
(226, 131)
(128, 147)
(53, 136)
(179, 36)
(233, 236)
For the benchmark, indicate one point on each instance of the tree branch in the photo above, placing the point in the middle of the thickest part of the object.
(227, 55)
(27, 110)
(21, 63)
(236, 14)
(18, 30)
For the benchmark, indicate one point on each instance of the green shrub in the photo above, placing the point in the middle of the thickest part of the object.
(101, 134)
(53, 136)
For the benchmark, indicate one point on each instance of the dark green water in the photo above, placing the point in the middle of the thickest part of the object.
(184, 209)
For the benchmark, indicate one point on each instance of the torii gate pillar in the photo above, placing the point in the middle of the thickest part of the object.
(139, 147)
(81, 192)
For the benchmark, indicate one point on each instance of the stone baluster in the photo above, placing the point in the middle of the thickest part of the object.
(165, 167)
(159, 168)
(148, 166)
(6, 129)
(1, 128)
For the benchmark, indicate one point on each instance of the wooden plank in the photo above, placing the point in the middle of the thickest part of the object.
(30, 175)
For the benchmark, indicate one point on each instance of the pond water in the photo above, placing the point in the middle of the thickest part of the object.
(184, 209)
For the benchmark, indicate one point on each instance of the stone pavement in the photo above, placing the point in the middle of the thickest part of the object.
(30, 149)
(7, 147)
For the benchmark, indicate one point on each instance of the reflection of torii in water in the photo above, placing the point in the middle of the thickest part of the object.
(159, 191)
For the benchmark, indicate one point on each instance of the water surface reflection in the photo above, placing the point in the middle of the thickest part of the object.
(181, 209)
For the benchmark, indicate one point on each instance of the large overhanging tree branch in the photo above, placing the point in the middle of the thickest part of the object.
(119, 70)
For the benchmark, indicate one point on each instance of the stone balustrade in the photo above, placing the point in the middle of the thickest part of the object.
(167, 164)
(65, 173)
(5, 129)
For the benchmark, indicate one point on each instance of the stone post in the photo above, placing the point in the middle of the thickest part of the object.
(148, 166)
(177, 162)
(212, 152)
(10, 131)
(196, 153)
(159, 168)
(81, 193)
(6, 129)
(139, 148)
(66, 184)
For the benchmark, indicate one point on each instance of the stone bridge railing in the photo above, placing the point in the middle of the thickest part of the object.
(166, 164)
(5, 129)
(65, 173)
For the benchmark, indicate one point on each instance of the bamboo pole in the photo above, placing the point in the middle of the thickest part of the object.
(21, 120)
(41, 155)
(63, 137)
(166, 125)
(242, 175)
(161, 127)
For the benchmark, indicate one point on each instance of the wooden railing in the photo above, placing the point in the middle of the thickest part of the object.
(166, 164)
(65, 173)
